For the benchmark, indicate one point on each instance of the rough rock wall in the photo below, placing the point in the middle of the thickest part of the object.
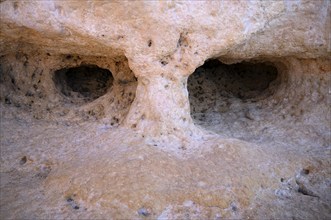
(294, 104)
(28, 82)
(167, 139)
(165, 41)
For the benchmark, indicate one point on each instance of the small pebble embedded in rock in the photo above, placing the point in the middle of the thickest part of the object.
(23, 160)
(143, 212)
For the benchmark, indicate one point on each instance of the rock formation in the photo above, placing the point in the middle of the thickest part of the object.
(165, 109)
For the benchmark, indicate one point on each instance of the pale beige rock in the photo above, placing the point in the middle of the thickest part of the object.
(170, 138)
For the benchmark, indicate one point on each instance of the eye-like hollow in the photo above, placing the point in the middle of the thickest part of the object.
(83, 83)
(222, 94)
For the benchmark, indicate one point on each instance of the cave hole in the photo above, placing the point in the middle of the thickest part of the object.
(227, 94)
(83, 83)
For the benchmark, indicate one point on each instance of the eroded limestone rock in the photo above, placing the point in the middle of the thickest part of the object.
(172, 131)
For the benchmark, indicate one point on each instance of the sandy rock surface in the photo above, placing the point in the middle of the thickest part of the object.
(165, 109)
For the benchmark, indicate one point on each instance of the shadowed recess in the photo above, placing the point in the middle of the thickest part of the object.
(86, 82)
(215, 83)
(221, 95)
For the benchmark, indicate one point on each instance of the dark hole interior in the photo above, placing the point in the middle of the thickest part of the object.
(229, 99)
(86, 82)
(216, 83)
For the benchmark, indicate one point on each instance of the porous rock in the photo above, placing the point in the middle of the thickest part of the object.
(178, 109)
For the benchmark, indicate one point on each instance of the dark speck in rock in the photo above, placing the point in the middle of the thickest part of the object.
(23, 160)
(143, 212)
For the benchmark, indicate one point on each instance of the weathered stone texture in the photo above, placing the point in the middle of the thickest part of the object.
(214, 109)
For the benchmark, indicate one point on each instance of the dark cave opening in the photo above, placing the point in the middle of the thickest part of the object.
(83, 83)
(215, 82)
(235, 100)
